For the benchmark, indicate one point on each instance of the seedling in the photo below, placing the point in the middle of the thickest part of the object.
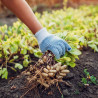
(84, 81)
(62, 96)
(77, 92)
(89, 79)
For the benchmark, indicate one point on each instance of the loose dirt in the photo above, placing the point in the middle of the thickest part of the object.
(16, 85)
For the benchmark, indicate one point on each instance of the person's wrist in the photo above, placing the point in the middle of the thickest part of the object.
(41, 35)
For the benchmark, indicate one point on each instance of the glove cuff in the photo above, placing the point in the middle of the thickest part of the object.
(41, 35)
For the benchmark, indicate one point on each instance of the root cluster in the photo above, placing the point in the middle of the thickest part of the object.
(46, 71)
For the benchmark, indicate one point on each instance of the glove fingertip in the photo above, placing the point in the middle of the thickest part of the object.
(67, 46)
(69, 49)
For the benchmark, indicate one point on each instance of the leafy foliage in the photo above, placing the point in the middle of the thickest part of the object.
(79, 27)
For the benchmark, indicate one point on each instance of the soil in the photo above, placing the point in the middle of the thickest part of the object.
(7, 21)
(15, 86)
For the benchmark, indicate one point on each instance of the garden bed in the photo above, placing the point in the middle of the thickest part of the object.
(19, 50)
(15, 86)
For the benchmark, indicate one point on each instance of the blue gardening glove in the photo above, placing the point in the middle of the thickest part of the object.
(51, 42)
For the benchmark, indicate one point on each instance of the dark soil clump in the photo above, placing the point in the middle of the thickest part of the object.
(15, 86)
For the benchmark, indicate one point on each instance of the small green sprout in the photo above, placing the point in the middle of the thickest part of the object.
(84, 81)
(89, 79)
(76, 92)
(62, 96)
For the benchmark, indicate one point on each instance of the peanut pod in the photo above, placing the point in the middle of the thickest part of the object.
(63, 67)
(45, 70)
(63, 74)
(59, 64)
(44, 58)
(45, 74)
(40, 61)
(58, 68)
(50, 74)
(48, 67)
(52, 71)
(65, 71)
(56, 65)
(44, 84)
(52, 67)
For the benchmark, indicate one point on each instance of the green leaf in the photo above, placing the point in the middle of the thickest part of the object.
(93, 46)
(19, 66)
(0, 72)
(75, 51)
(30, 49)
(37, 53)
(96, 43)
(87, 73)
(25, 63)
(4, 73)
(26, 56)
(16, 57)
(72, 64)
(67, 59)
(0, 55)
(84, 80)
(93, 79)
(23, 51)
(62, 96)
(13, 69)
(6, 52)
(11, 60)
(14, 48)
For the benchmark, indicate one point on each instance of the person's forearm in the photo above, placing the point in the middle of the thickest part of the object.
(22, 10)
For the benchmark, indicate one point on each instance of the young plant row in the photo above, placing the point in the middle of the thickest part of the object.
(79, 27)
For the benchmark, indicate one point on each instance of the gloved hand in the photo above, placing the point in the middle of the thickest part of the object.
(51, 42)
